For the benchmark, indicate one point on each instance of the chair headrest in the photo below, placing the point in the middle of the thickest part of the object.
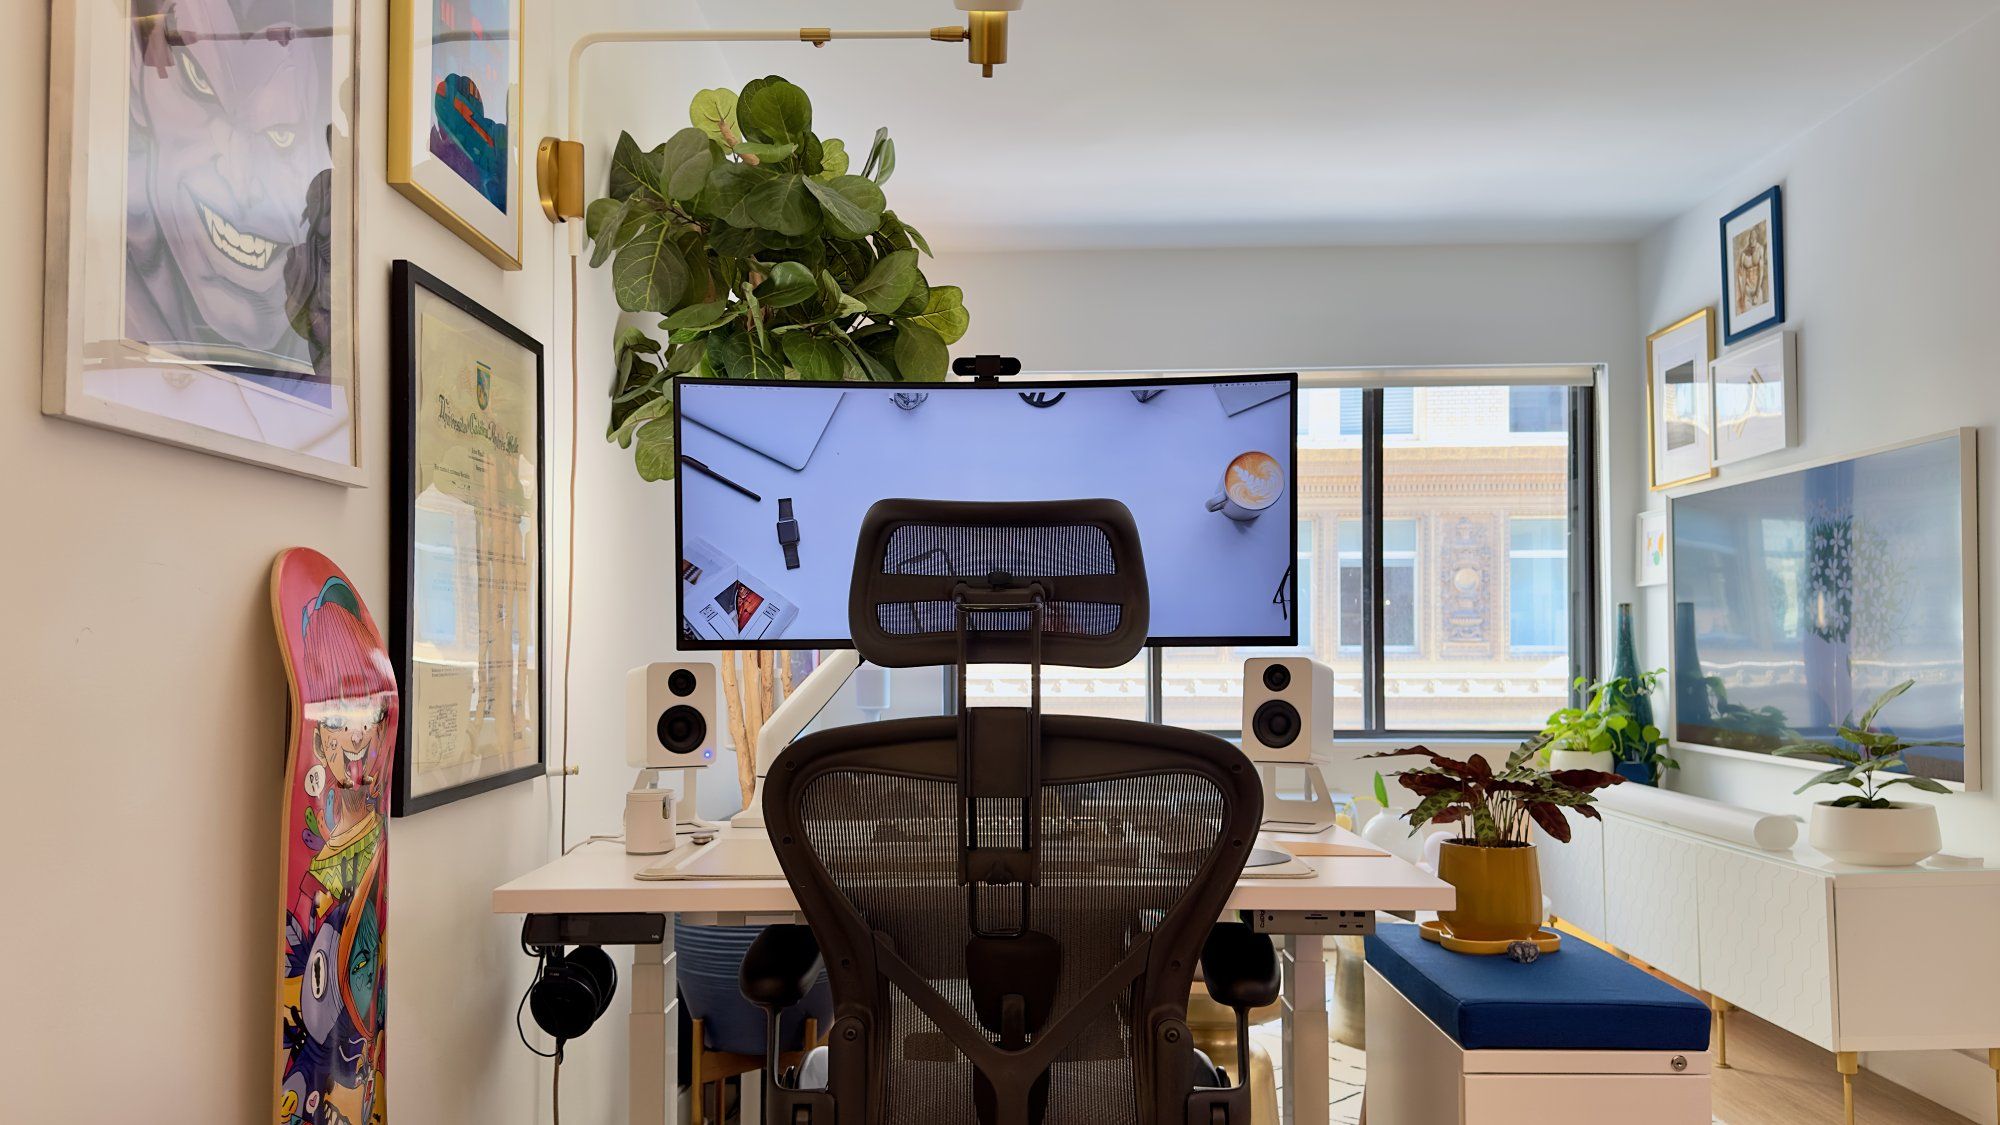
(917, 559)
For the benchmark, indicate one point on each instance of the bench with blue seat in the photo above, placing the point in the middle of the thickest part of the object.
(1576, 1037)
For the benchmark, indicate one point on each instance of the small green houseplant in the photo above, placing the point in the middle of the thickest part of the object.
(765, 257)
(1865, 827)
(1609, 730)
(1493, 863)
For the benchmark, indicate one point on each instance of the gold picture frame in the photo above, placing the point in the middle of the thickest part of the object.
(450, 171)
(1679, 357)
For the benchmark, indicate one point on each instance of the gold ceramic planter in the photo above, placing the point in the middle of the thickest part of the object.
(1499, 891)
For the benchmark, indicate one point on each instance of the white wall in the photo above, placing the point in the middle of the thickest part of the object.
(1890, 236)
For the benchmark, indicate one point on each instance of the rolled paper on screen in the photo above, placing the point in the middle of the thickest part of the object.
(1731, 823)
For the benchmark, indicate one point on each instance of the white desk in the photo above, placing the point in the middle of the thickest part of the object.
(599, 878)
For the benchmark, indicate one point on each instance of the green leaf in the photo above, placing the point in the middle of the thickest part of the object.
(662, 407)
(783, 204)
(888, 282)
(853, 205)
(685, 162)
(944, 314)
(729, 187)
(649, 273)
(1381, 791)
(756, 153)
(1927, 784)
(729, 353)
(655, 453)
(881, 158)
(634, 170)
(1883, 700)
(788, 284)
(603, 223)
(699, 318)
(814, 357)
(714, 113)
(920, 354)
(1835, 776)
(775, 111)
(833, 159)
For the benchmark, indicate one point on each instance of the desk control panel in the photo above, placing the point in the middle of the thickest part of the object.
(1354, 923)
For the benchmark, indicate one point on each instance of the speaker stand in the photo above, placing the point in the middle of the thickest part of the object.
(1311, 813)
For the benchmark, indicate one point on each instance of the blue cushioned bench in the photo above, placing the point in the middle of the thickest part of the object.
(1576, 1036)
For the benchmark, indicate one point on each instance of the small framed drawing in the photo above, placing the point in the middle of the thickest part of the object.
(1753, 267)
(468, 550)
(1679, 407)
(1756, 398)
(454, 103)
(1652, 548)
(201, 228)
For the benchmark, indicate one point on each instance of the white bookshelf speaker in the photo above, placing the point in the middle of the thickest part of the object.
(671, 716)
(1287, 709)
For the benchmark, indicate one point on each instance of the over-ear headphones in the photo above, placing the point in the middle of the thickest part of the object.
(571, 990)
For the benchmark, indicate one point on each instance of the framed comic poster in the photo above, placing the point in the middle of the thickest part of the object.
(201, 227)
(454, 102)
(468, 548)
(1680, 409)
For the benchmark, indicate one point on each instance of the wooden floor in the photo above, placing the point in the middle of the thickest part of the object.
(1776, 1078)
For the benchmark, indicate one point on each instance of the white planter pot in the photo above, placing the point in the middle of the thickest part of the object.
(1580, 760)
(1897, 836)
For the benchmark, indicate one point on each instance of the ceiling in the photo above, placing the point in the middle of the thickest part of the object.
(1321, 122)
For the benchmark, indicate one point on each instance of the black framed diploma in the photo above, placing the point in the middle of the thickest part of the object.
(468, 547)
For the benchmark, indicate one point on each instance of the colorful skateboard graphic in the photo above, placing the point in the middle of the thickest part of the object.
(334, 853)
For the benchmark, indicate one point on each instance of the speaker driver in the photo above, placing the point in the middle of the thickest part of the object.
(1276, 724)
(682, 729)
(681, 683)
(1277, 677)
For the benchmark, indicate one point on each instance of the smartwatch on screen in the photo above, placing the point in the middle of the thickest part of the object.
(788, 533)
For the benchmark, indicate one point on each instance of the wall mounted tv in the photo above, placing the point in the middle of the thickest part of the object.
(1204, 464)
(1801, 595)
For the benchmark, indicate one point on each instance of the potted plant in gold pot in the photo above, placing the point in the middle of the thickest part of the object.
(1492, 864)
(1865, 827)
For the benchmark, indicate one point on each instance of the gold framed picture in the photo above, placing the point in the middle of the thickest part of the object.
(454, 104)
(1680, 408)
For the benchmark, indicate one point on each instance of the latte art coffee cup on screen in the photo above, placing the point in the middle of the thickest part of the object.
(1253, 482)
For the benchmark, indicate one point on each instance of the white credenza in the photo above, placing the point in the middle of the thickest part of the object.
(1850, 958)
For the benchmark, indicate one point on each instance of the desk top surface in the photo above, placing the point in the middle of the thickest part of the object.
(600, 877)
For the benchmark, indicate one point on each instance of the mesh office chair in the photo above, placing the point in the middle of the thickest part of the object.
(1011, 905)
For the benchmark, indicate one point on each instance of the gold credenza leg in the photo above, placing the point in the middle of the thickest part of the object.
(1722, 1009)
(1849, 1064)
(1993, 1060)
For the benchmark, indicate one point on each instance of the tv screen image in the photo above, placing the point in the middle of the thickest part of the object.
(776, 477)
(1801, 596)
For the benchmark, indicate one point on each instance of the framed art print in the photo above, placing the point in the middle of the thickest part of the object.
(1652, 569)
(1679, 408)
(454, 104)
(201, 227)
(468, 549)
(1756, 398)
(1753, 267)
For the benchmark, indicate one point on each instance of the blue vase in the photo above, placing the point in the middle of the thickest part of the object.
(1639, 773)
(709, 962)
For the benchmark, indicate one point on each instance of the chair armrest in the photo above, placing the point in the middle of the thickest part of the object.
(1240, 967)
(782, 966)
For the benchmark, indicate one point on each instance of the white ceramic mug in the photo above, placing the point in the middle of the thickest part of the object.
(1253, 482)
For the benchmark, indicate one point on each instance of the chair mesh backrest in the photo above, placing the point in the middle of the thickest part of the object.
(1119, 853)
(915, 558)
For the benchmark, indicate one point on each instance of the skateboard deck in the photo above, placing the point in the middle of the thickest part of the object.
(333, 856)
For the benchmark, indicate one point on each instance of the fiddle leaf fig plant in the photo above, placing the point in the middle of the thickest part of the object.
(765, 257)
(1863, 754)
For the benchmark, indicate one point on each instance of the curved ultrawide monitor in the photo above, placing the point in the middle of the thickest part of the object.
(774, 479)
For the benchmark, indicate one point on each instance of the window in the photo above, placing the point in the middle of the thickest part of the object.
(1537, 585)
(1537, 410)
(1399, 586)
(1398, 411)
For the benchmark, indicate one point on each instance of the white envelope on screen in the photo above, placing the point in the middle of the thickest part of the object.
(783, 423)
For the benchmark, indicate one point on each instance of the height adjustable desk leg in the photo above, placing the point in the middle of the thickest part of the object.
(1308, 1085)
(653, 1062)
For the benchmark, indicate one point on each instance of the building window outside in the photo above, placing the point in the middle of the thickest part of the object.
(1399, 586)
(1538, 585)
(1399, 411)
(1538, 410)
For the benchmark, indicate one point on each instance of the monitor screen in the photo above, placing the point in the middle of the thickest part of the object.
(774, 479)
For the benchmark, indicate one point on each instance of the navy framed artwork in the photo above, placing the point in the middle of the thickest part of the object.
(1753, 267)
